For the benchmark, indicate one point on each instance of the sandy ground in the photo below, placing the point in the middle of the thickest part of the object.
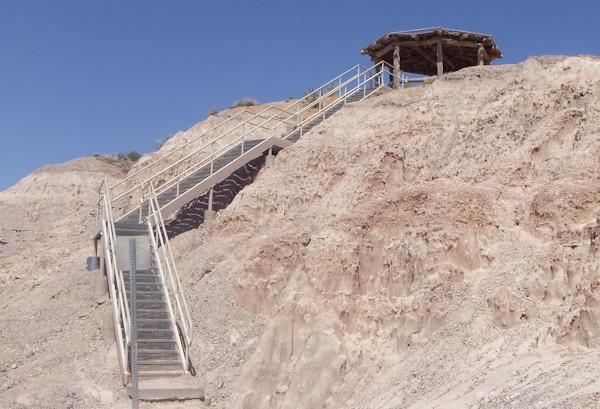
(433, 247)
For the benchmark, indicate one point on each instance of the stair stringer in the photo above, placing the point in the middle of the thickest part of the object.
(222, 174)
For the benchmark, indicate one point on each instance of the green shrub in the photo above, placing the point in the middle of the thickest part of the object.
(134, 156)
(213, 111)
(309, 95)
(246, 102)
(123, 160)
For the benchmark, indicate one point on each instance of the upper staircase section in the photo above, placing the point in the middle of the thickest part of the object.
(197, 165)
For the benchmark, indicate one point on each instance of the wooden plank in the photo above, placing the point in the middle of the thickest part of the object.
(459, 43)
(386, 50)
(416, 44)
(408, 44)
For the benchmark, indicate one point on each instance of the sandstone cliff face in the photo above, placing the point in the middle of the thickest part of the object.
(405, 246)
(431, 247)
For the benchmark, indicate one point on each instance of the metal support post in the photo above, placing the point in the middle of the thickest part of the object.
(135, 402)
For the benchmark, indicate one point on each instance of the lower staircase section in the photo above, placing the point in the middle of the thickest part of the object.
(157, 346)
(159, 316)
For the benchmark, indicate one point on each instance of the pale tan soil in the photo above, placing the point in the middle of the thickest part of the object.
(430, 247)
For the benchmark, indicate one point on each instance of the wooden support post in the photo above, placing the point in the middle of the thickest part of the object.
(397, 67)
(480, 51)
(378, 79)
(440, 59)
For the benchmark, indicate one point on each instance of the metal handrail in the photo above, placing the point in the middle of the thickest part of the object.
(182, 147)
(116, 286)
(369, 75)
(298, 105)
(215, 154)
(211, 144)
(338, 87)
(179, 308)
(150, 165)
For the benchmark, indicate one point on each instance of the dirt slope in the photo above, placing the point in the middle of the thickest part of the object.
(53, 351)
(431, 247)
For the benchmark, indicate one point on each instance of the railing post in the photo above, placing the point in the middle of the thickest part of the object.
(320, 97)
(178, 179)
(212, 156)
(141, 205)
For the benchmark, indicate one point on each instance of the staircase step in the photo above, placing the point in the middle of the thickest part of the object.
(158, 341)
(168, 394)
(156, 351)
(149, 280)
(156, 345)
(149, 373)
(156, 285)
(152, 304)
(147, 292)
(129, 232)
(148, 334)
(156, 330)
(159, 355)
(143, 287)
(161, 362)
(154, 324)
(144, 273)
(149, 311)
(143, 299)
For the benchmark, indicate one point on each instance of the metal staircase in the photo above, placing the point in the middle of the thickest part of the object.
(158, 343)
(164, 186)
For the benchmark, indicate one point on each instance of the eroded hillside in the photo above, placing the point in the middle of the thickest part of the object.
(431, 247)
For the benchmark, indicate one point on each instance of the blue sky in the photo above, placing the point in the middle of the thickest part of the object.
(79, 77)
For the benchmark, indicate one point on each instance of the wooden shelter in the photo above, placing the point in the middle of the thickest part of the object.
(433, 51)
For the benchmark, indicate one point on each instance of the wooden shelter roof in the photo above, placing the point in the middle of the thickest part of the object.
(418, 49)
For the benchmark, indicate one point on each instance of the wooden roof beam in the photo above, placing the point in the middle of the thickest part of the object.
(412, 44)
(449, 62)
(429, 58)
